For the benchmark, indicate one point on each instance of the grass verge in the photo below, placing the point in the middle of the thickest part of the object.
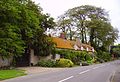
(7, 74)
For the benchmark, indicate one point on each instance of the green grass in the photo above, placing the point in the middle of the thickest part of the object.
(7, 74)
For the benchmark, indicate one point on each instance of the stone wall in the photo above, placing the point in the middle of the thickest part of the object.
(5, 62)
(34, 59)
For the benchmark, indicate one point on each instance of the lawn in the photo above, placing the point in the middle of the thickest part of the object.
(6, 74)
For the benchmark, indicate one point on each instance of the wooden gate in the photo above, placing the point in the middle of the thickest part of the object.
(23, 60)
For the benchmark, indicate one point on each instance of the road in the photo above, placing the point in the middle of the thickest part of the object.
(93, 73)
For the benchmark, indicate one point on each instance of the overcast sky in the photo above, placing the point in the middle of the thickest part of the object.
(57, 7)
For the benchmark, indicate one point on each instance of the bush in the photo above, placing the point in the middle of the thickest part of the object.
(47, 63)
(58, 63)
(64, 63)
(103, 56)
(76, 56)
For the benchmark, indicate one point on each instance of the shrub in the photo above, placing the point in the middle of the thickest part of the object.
(46, 63)
(64, 63)
(103, 56)
(58, 63)
(76, 56)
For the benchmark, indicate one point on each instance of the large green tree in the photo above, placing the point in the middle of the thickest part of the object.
(10, 39)
(91, 24)
(21, 23)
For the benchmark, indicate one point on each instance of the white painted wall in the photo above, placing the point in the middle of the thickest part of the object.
(57, 56)
(33, 59)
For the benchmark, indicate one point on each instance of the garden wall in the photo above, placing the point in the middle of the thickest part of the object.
(5, 62)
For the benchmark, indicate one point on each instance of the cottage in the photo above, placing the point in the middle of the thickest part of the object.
(61, 43)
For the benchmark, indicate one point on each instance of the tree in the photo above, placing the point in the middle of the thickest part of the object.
(10, 39)
(91, 25)
(101, 34)
(116, 51)
(43, 44)
(38, 40)
(21, 21)
(66, 26)
(47, 22)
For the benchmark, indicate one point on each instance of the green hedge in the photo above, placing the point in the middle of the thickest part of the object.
(47, 63)
(58, 63)
(76, 56)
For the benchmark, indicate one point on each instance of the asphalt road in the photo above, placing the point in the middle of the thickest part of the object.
(93, 73)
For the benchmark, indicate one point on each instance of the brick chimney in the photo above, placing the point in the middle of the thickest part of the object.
(62, 35)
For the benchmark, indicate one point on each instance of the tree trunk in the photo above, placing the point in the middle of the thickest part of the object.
(71, 34)
(91, 36)
(85, 36)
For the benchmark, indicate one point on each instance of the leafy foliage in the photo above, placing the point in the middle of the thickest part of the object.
(89, 23)
(103, 56)
(22, 27)
(64, 63)
(76, 56)
(58, 63)
(10, 39)
(43, 45)
(46, 63)
(116, 51)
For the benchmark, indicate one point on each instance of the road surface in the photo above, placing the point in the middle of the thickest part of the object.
(93, 73)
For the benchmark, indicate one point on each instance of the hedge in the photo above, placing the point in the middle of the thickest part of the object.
(76, 56)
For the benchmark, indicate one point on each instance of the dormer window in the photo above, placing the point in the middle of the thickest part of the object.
(76, 47)
(87, 49)
(93, 50)
(82, 48)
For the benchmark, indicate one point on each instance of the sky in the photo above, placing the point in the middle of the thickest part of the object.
(58, 7)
